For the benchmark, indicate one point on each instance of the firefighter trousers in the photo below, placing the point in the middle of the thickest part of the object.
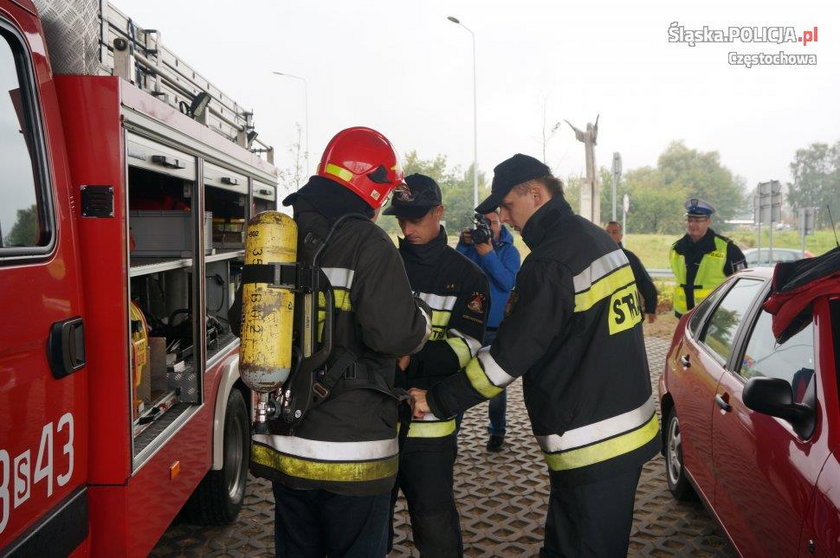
(426, 479)
(591, 520)
(317, 523)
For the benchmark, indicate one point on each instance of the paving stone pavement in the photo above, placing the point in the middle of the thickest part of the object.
(501, 498)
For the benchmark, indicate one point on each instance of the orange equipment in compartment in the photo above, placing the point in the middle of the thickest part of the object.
(139, 351)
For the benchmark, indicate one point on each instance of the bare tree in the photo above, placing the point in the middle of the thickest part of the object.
(292, 177)
(547, 134)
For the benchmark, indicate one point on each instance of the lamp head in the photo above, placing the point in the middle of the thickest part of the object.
(199, 105)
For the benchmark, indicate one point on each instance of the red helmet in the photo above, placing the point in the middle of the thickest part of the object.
(364, 161)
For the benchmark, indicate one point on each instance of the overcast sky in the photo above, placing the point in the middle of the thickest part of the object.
(402, 68)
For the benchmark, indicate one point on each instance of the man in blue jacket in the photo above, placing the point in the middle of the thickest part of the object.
(498, 258)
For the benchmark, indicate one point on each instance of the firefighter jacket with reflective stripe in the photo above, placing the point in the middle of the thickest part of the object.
(348, 444)
(699, 267)
(456, 290)
(644, 283)
(574, 334)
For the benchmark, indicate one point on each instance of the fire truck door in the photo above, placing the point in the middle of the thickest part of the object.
(43, 381)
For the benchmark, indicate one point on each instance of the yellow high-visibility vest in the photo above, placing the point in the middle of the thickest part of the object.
(709, 275)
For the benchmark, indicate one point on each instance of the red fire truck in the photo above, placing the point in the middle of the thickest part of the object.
(127, 178)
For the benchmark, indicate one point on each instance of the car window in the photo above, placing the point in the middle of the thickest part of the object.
(719, 334)
(696, 321)
(792, 361)
(22, 213)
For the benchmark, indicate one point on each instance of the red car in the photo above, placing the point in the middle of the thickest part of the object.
(751, 410)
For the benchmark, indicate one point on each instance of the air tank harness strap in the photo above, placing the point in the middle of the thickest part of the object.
(282, 275)
(355, 375)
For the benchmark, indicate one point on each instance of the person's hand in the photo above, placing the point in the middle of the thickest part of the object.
(403, 362)
(466, 237)
(651, 318)
(484, 248)
(419, 405)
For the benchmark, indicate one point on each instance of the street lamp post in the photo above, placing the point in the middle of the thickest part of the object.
(456, 21)
(306, 105)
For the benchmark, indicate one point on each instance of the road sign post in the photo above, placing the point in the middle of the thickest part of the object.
(807, 216)
(626, 208)
(767, 207)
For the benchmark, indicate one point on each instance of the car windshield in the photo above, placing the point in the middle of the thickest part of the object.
(792, 361)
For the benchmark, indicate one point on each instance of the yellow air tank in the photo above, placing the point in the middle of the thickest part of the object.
(267, 311)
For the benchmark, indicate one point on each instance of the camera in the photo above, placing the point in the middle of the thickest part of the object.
(481, 232)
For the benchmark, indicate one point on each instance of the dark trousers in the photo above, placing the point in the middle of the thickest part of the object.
(591, 519)
(497, 408)
(426, 480)
(317, 523)
(497, 411)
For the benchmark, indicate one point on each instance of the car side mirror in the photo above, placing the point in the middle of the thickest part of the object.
(774, 397)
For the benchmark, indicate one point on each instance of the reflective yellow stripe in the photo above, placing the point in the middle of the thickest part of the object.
(473, 343)
(479, 380)
(335, 170)
(437, 429)
(341, 300)
(603, 288)
(440, 318)
(438, 334)
(599, 268)
(625, 309)
(355, 471)
(461, 349)
(602, 451)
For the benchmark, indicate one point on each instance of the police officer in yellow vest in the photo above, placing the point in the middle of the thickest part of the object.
(701, 259)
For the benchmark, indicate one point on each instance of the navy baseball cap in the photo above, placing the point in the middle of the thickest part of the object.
(695, 207)
(509, 173)
(417, 197)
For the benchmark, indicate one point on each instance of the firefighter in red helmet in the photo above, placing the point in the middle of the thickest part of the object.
(332, 472)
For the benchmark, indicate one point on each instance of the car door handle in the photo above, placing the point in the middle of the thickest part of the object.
(685, 361)
(66, 347)
(721, 402)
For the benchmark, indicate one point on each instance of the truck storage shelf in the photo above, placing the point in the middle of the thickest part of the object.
(145, 266)
(222, 344)
(154, 411)
(224, 255)
(150, 434)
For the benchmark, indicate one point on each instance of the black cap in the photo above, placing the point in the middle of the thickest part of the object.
(412, 201)
(509, 173)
